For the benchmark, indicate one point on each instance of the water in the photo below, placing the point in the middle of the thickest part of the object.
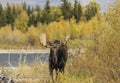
(13, 59)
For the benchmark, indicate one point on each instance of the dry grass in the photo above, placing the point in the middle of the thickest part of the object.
(101, 61)
(79, 69)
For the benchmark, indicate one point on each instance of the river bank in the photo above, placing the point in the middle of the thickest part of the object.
(24, 50)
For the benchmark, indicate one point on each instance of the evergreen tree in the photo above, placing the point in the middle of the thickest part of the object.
(46, 18)
(9, 15)
(14, 12)
(38, 18)
(47, 6)
(33, 20)
(1, 15)
(37, 8)
(32, 10)
(24, 6)
(66, 9)
(28, 10)
(77, 12)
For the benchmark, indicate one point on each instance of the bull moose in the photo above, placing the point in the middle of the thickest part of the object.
(58, 56)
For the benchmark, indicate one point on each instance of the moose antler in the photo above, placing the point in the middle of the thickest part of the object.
(43, 41)
(67, 39)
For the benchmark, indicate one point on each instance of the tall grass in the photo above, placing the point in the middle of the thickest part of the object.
(101, 61)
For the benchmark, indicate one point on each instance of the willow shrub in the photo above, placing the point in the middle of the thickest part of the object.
(101, 60)
(81, 31)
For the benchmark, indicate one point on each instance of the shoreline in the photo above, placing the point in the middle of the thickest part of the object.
(24, 50)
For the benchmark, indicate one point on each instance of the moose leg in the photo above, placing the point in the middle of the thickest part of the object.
(62, 70)
(51, 74)
(56, 73)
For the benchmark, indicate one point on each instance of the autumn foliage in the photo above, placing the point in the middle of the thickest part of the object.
(99, 36)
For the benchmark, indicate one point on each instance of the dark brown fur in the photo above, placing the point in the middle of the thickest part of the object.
(58, 57)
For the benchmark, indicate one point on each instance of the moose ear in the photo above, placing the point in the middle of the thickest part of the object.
(49, 43)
